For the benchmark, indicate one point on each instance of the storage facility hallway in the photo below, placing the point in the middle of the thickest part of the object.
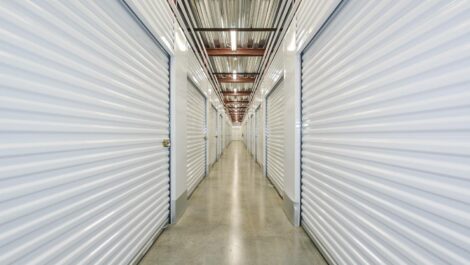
(234, 132)
(235, 216)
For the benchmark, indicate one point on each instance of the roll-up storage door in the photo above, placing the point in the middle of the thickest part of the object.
(275, 103)
(219, 135)
(84, 96)
(227, 133)
(212, 135)
(253, 136)
(196, 143)
(248, 134)
(259, 137)
(386, 133)
(245, 133)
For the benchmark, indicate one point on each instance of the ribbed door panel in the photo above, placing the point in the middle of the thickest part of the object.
(212, 135)
(259, 136)
(84, 95)
(275, 105)
(196, 144)
(386, 133)
(248, 134)
(219, 135)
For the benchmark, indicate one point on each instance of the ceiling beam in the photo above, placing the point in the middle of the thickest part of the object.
(235, 29)
(227, 73)
(238, 52)
(236, 101)
(239, 93)
(238, 80)
(237, 109)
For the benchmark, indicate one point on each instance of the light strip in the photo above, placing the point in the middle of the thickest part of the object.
(233, 40)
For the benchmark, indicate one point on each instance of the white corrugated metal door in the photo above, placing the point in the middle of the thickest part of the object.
(219, 135)
(259, 136)
(222, 133)
(212, 135)
(227, 133)
(386, 133)
(196, 142)
(253, 136)
(84, 92)
(275, 103)
(249, 134)
(244, 132)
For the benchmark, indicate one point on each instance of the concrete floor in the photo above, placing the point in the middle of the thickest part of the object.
(234, 217)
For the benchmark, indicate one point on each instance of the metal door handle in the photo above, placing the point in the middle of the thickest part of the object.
(166, 143)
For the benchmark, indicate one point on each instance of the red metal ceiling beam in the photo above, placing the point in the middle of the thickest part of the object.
(235, 29)
(242, 52)
(238, 80)
(236, 101)
(239, 93)
(243, 73)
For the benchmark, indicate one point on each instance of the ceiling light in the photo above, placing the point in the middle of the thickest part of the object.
(233, 40)
(235, 90)
(234, 76)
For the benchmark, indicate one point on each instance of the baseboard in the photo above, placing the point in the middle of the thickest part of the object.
(292, 210)
(178, 207)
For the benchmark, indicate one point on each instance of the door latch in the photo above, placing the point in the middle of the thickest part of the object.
(166, 143)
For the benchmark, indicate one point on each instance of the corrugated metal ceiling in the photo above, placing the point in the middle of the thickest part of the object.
(235, 14)
(259, 26)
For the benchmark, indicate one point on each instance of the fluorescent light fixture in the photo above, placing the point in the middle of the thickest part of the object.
(235, 75)
(233, 40)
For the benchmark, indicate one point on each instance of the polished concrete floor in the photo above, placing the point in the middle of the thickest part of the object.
(234, 217)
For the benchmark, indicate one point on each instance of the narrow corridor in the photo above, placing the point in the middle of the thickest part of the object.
(234, 217)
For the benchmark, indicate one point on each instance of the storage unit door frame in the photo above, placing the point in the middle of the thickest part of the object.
(84, 177)
(275, 136)
(385, 132)
(196, 147)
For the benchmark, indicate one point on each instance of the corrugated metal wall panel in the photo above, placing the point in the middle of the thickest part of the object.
(253, 135)
(212, 135)
(196, 132)
(158, 18)
(259, 135)
(84, 95)
(248, 134)
(228, 133)
(310, 17)
(220, 128)
(386, 133)
(275, 103)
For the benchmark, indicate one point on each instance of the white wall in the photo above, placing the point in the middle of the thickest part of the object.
(179, 82)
